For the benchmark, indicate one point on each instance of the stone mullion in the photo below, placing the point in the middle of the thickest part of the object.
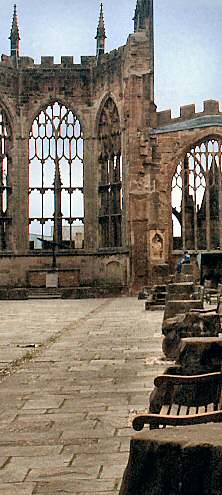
(195, 210)
(2, 227)
(57, 196)
(101, 201)
(91, 195)
(110, 225)
(220, 192)
(208, 235)
(8, 233)
(183, 209)
(20, 199)
(42, 194)
(118, 167)
(125, 190)
(109, 205)
(70, 195)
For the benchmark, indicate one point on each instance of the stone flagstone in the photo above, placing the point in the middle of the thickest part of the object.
(65, 413)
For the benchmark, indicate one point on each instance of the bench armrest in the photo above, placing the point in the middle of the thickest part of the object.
(190, 379)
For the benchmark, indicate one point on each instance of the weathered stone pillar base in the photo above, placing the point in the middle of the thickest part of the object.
(175, 461)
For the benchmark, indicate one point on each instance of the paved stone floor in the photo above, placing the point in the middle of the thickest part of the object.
(66, 404)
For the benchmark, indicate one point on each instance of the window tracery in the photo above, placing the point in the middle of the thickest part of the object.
(5, 187)
(56, 195)
(110, 187)
(197, 198)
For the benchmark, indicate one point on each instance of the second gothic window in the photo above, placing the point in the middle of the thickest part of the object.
(110, 186)
(197, 198)
(56, 196)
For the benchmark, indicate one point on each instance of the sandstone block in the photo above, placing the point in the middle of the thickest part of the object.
(181, 306)
(192, 324)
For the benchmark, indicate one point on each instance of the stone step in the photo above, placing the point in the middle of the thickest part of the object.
(44, 293)
(157, 300)
(157, 307)
(150, 306)
(44, 296)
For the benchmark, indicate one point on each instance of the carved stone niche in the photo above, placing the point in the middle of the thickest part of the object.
(157, 242)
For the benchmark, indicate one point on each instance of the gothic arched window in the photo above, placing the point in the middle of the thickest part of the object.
(110, 186)
(197, 197)
(56, 201)
(5, 189)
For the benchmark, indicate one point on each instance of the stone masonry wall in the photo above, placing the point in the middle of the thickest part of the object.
(152, 144)
(94, 269)
(25, 91)
(172, 147)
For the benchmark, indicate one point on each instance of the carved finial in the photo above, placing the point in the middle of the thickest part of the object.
(101, 34)
(14, 35)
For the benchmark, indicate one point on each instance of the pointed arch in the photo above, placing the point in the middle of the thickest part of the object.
(56, 196)
(50, 101)
(102, 104)
(197, 197)
(110, 185)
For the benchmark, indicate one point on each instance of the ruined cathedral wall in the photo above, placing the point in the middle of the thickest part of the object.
(79, 269)
(81, 87)
(173, 138)
(125, 75)
(84, 87)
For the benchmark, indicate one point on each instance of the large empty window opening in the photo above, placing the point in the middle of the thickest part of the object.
(5, 188)
(197, 198)
(110, 187)
(56, 198)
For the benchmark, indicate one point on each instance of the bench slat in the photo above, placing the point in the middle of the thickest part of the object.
(140, 420)
(165, 410)
(211, 407)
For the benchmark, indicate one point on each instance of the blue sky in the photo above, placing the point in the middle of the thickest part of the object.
(188, 40)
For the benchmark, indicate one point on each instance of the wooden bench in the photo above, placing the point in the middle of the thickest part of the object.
(183, 400)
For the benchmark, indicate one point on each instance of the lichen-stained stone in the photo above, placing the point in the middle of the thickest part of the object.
(174, 307)
(200, 354)
(193, 324)
(174, 461)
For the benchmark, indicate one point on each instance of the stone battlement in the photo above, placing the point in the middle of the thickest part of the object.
(211, 107)
(66, 61)
(47, 62)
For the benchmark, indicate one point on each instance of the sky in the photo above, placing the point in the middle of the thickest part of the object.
(188, 40)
